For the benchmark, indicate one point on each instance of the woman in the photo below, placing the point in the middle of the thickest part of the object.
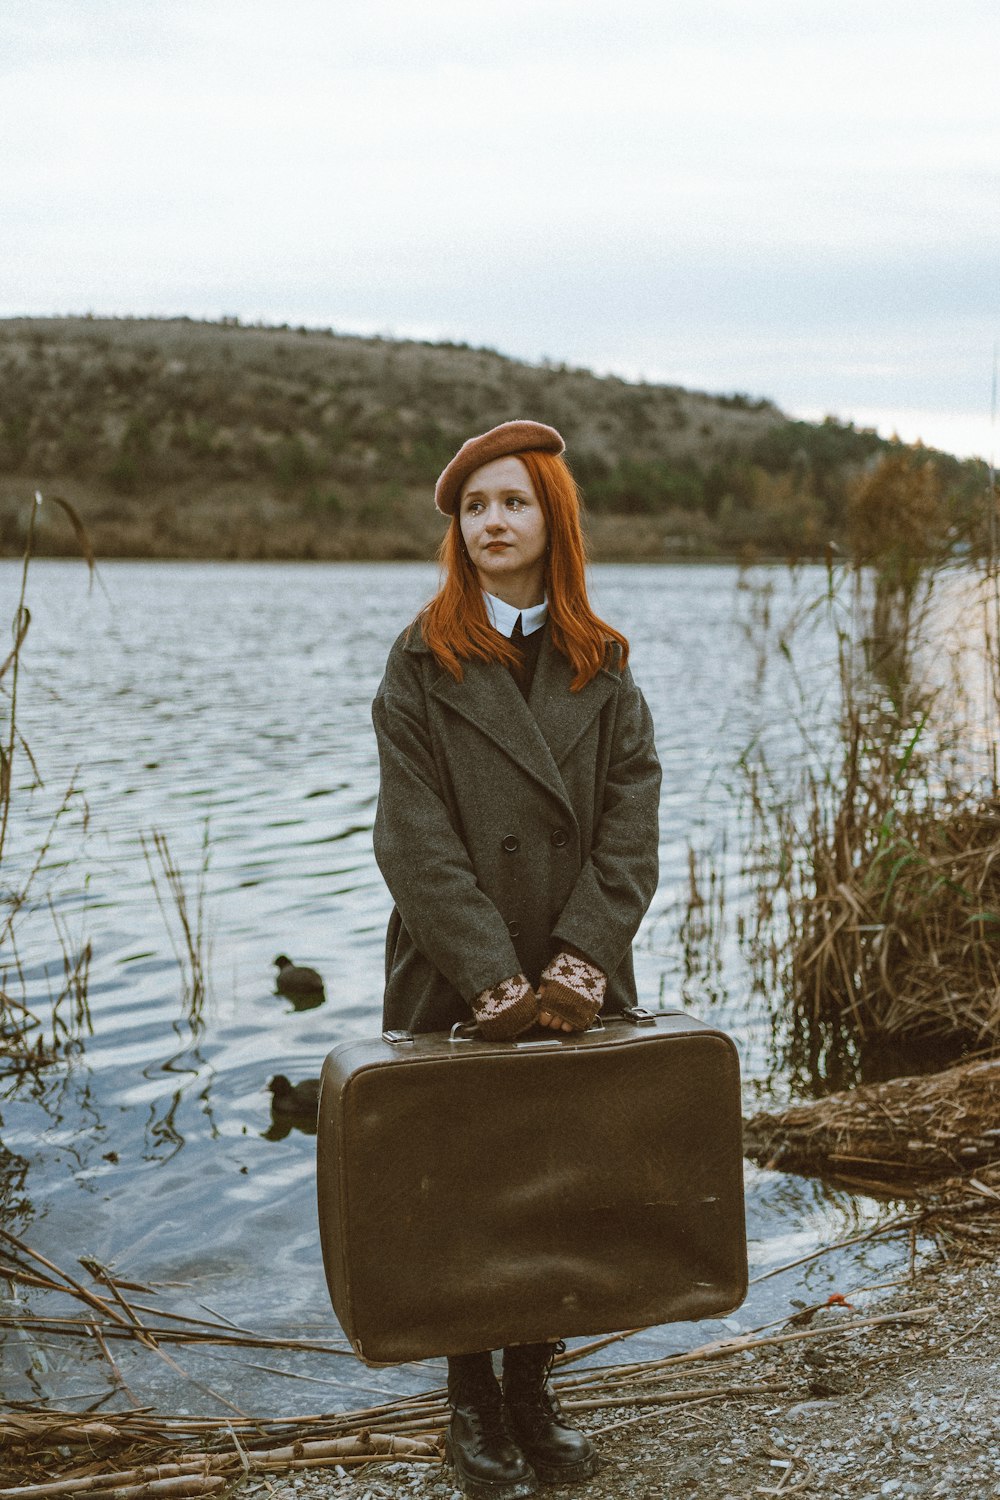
(517, 832)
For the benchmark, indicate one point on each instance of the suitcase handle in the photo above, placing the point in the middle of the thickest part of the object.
(468, 1031)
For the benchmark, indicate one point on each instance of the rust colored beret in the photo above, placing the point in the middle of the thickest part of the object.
(499, 442)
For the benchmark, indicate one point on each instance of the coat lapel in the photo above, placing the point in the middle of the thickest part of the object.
(561, 715)
(537, 735)
(488, 697)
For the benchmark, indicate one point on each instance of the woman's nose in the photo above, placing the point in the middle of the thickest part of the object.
(496, 520)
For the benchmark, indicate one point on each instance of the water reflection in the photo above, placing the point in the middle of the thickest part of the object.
(13, 1183)
(294, 1106)
(283, 1125)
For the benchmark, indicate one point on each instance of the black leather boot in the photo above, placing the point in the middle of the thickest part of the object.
(558, 1452)
(489, 1465)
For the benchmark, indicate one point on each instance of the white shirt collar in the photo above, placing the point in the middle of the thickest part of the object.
(503, 617)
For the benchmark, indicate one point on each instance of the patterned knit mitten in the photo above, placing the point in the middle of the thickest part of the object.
(572, 988)
(506, 1010)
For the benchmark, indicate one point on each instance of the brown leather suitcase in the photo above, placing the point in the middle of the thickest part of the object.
(474, 1194)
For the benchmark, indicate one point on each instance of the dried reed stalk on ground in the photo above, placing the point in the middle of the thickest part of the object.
(935, 1139)
(906, 1132)
(53, 1452)
(119, 1453)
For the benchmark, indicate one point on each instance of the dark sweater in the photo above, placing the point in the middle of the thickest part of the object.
(529, 647)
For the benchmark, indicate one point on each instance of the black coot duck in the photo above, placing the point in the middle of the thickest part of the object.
(294, 1100)
(296, 982)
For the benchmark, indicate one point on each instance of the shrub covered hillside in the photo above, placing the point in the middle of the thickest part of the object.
(183, 439)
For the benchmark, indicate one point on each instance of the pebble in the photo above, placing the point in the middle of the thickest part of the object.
(808, 1409)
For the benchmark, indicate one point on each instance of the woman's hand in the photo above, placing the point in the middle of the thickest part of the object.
(571, 992)
(506, 1010)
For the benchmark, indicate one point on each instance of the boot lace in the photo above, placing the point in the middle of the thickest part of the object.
(535, 1391)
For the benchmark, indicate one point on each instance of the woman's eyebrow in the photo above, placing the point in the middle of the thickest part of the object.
(507, 490)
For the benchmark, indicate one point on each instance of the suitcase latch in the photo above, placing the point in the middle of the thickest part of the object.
(640, 1016)
(395, 1038)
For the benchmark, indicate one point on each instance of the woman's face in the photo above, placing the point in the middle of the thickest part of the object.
(505, 532)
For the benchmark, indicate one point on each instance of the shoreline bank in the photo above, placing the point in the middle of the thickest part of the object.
(902, 1405)
(888, 1390)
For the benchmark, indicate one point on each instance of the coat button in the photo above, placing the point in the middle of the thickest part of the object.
(513, 929)
(511, 843)
(558, 837)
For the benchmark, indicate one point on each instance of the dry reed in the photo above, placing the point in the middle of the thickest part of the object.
(186, 915)
(23, 1049)
(878, 879)
(903, 1133)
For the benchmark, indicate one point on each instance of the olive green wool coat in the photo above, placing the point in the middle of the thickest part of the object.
(507, 829)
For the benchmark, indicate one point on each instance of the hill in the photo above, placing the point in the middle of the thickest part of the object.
(177, 438)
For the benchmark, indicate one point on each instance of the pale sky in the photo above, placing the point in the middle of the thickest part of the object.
(797, 199)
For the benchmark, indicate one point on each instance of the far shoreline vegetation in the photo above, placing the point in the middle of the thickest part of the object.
(178, 439)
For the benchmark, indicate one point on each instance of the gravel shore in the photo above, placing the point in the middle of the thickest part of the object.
(900, 1408)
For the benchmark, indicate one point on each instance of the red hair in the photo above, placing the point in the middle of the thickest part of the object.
(455, 624)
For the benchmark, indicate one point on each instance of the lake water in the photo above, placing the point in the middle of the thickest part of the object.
(230, 703)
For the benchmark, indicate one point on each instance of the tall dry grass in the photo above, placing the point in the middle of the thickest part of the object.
(27, 1041)
(878, 879)
(183, 914)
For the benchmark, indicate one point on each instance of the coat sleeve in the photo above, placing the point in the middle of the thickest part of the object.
(421, 856)
(618, 879)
